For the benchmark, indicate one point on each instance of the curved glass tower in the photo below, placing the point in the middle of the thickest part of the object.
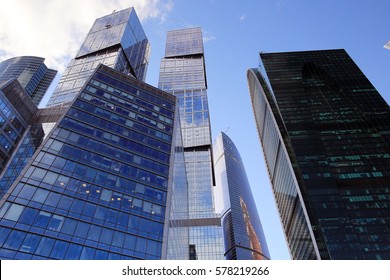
(325, 135)
(243, 234)
(32, 74)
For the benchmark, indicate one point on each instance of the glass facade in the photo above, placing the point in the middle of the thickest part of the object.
(30, 141)
(16, 111)
(182, 73)
(116, 40)
(100, 185)
(243, 233)
(334, 129)
(178, 234)
(32, 74)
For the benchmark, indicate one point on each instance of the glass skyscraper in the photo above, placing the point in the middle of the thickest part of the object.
(243, 233)
(100, 185)
(16, 112)
(32, 74)
(23, 82)
(325, 133)
(116, 40)
(182, 73)
(108, 180)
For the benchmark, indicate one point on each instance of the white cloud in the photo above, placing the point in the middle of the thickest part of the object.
(55, 29)
(207, 39)
(208, 36)
(242, 17)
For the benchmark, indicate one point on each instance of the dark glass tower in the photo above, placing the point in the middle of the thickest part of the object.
(32, 74)
(182, 73)
(116, 40)
(243, 233)
(325, 133)
(100, 185)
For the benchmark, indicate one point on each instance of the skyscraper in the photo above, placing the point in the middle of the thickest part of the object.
(242, 229)
(182, 73)
(100, 185)
(32, 74)
(325, 132)
(109, 175)
(116, 40)
(16, 112)
(23, 82)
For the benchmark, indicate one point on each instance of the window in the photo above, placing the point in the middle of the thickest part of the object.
(74, 252)
(14, 240)
(42, 219)
(45, 246)
(69, 226)
(40, 195)
(87, 253)
(141, 245)
(100, 213)
(82, 230)
(56, 223)
(38, 174)
(106, 236)
(118, 239)
(59, 251)
(28, 216)
(30, 243)
(27, 192)
(53, 199)
(50, 178)
(14, 212)
(130, 242)
(94, 233)
(106, 195)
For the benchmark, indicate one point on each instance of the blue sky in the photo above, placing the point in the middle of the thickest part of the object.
(234, 33)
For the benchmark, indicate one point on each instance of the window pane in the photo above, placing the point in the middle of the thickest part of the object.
(74, 252)
(14, 212)
(50, 178)
(42, 219)
(141, 245)
(40, 195)
(3, 235)
(45, 246)
(4, 209)
(59, 249)
(82, 230)
(94, 233)
(56, 223)
(69, 226)
(87, 253)
(14, 240)
(130, 242)
(30, 243)
(28, 216)
(38, 174)
(27, 192)
(106, 236)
